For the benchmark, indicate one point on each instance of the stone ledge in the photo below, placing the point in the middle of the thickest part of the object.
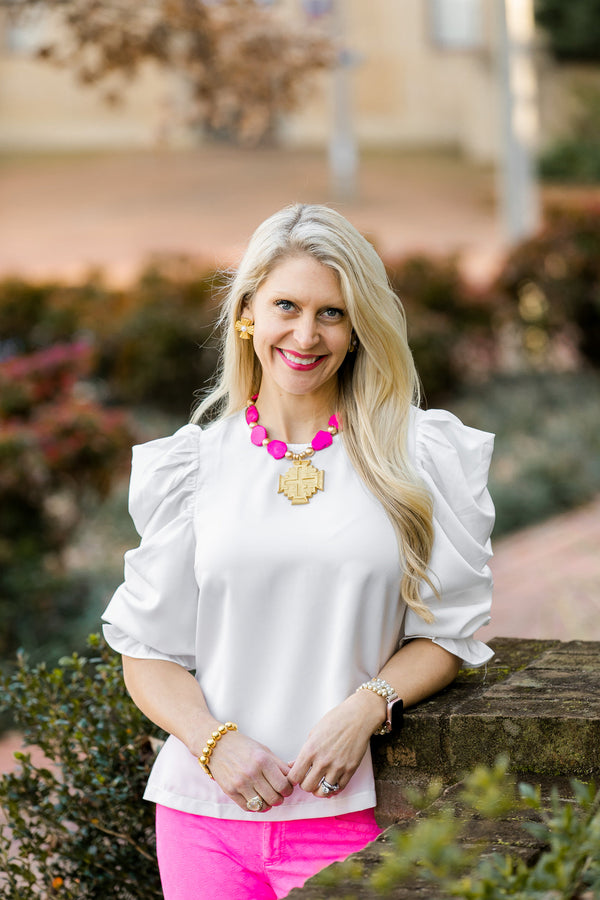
(538, 702)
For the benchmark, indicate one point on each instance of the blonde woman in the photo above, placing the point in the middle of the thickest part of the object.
(311, 561)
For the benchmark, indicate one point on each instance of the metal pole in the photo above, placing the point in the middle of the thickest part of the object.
(343, 151)
(518, 182)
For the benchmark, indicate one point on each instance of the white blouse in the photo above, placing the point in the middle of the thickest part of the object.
(282, 610)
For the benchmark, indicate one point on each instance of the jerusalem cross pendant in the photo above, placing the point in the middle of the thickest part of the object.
(301, 481)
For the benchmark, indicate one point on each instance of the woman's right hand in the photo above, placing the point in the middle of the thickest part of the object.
(243, 769)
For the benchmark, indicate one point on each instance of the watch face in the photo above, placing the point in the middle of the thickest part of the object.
(397, 715)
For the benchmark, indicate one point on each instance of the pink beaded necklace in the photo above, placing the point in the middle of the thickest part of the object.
(303, 480)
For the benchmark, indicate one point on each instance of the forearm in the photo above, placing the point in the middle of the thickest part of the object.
(170, 697)
(419, 669)
(416, 671)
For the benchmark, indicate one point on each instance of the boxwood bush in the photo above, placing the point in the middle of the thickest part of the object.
(76, 825)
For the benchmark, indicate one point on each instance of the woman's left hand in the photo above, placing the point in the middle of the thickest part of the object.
(336, 745)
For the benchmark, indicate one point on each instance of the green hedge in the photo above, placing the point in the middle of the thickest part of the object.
(573, 28)
(549, 288)
(429, 857)
(547, 451)
(77, 826)
(151, 342)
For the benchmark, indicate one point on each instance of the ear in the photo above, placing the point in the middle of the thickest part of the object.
(247, 307)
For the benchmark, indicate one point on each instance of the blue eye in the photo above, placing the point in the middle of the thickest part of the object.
(285, 305)
(333, 313)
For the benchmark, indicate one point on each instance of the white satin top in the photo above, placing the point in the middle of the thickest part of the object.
(282, 610)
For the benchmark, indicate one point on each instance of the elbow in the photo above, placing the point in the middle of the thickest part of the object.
(453, 666)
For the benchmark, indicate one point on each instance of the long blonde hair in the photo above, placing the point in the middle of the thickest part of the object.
(377, 384)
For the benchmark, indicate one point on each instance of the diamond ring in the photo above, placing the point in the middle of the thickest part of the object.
(255, 804)
(328, 788)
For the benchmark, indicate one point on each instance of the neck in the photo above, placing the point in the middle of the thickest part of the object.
(293, 418)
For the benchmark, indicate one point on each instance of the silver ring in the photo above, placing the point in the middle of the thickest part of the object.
(255, 804)
(328, 788)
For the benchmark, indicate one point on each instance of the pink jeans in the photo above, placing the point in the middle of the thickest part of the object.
(201, 857)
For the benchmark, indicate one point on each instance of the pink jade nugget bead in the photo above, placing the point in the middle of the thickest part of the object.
(321, 440)
(258, 434)
(277, 449)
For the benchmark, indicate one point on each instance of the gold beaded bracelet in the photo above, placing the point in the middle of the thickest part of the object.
(212, 743)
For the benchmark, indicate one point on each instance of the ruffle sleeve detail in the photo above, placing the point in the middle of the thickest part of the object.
(153, 613)
(453, 461)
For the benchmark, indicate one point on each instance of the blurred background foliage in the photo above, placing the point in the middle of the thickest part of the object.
(60, 453)
(573, 28)
(572, 34)
(86, 370)
(576, 157)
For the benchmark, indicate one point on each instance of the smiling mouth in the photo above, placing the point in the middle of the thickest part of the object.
(296, 361)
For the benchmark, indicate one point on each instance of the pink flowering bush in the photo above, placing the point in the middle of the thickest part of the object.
(59, 449)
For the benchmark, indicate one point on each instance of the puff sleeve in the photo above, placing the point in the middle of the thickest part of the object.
(453, 461)
(153, 613)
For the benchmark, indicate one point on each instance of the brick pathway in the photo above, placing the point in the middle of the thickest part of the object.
(547, 579)
(60, 215)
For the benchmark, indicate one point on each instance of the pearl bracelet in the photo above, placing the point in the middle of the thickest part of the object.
(379, 686)
(386, 691)
(212, 743)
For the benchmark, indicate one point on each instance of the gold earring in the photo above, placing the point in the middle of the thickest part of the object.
(353, 343)
(245, 328)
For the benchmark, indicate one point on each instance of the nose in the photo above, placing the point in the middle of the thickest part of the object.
(306, 333)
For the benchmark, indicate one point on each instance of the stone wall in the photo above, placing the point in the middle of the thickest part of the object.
(537, 701)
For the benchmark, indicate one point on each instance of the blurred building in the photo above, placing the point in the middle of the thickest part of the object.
(418, 74)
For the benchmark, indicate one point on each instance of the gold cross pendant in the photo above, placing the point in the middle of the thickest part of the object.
(301, 481)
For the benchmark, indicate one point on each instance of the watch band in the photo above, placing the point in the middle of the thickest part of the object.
(395, 716)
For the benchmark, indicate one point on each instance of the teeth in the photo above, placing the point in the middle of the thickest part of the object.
(304, 361)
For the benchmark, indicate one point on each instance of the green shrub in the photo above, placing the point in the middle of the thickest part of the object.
(151, 341)
(451, 327)
(429, 853)
(36, 316)
(76, 824)
(551, 286)
(576, 156)
(571, 159)
(159, 350)
(573, 28)
(547, 450)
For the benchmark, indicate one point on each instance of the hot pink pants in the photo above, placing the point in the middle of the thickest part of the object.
(201, 857)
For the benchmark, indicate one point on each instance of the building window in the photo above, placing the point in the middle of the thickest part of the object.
(456, 24)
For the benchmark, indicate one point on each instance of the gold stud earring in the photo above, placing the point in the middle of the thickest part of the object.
(245, 328)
